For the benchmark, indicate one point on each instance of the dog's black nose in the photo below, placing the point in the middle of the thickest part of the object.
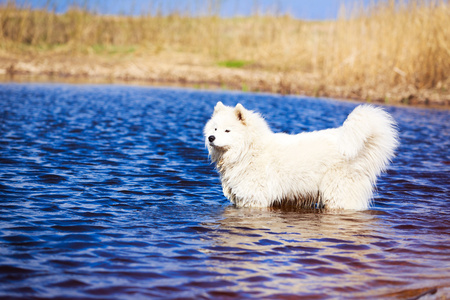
(211, 138)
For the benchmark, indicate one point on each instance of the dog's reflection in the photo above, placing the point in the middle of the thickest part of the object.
(279, 247)
(247, 227)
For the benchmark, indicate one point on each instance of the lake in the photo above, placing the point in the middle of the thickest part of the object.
(106, 192)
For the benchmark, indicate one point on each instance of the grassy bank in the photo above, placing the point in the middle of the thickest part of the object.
(390, 52)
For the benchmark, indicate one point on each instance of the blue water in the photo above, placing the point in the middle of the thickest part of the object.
(107, 193)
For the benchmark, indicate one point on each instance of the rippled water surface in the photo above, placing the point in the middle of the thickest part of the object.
(106, 192)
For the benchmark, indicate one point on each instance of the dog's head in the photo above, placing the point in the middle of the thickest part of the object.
(226, 128)
(233, 132)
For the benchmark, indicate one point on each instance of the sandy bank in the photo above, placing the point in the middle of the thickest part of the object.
(189, 71)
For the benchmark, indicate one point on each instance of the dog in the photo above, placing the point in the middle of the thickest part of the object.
(328, 169)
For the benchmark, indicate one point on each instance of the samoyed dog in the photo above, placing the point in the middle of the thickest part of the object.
(332, 169)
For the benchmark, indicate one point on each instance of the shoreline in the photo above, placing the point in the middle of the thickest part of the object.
(187, 72)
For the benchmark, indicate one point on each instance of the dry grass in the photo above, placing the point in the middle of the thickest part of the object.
(391, 51)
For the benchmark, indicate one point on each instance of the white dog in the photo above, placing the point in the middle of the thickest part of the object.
(334, 168)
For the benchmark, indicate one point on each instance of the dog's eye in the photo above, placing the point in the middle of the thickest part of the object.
(215, 129)
(227, 131)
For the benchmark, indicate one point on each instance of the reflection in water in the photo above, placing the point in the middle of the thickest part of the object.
(304, 252)
(296, 251)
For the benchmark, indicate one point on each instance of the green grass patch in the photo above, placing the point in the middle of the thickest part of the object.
(233, 63)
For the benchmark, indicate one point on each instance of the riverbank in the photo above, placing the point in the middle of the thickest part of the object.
(391, 52)
(194, 72)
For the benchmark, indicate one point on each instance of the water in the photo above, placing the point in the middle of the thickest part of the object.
(106, 193)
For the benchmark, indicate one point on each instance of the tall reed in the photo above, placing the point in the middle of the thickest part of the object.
(391, 43)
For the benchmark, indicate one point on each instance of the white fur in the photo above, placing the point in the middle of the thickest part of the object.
(334, 168)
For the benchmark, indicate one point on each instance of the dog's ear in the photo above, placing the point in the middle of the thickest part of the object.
(219, 106)
(240, 113)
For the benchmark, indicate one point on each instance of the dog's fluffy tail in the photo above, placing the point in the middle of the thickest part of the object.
(367, 140)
